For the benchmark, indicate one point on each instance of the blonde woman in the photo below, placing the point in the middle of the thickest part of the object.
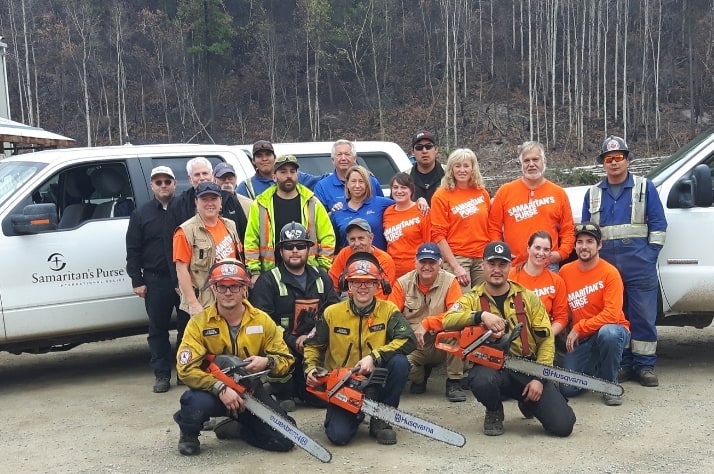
(459, 218)
(360, 202)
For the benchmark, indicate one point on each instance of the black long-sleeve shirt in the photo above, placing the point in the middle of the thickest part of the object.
(145, 242)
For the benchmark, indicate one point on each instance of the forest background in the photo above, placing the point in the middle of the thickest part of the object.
(486, 75)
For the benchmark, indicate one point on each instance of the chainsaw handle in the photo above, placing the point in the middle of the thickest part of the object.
(506, 342)
(440, 342)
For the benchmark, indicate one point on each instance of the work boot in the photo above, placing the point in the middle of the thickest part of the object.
(189, 445)
(288, 404)
(162, 385)
(454, 393)
(493, 423)
(527, 409)
(648, 378)
(612, 400)
(382, 431)
(228, 428)
(419, 388)
(625, 374)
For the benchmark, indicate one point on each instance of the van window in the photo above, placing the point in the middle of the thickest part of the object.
(14, 174)
(178, 166)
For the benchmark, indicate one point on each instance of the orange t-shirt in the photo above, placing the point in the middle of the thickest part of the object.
(461, 217)
(550, 288)
(225, 247)
(405, 231)
(340, 263)
(517, 212)
(594, 297)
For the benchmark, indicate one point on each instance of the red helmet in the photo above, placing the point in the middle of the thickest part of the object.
(362, 270)
(229, 269)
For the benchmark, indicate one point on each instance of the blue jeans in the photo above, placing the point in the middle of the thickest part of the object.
(341, 425)
(598, 355)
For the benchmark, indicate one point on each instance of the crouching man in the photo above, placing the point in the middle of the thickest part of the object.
(230, 326)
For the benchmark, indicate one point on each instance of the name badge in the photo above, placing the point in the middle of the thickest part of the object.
(254, 329)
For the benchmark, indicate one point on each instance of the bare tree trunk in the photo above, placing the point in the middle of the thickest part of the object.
(28, 80)
(626, 20)
(531, 92)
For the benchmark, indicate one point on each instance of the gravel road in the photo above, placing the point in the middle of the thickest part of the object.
(92, 410)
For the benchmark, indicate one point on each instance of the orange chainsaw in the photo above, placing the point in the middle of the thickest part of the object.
(350, 391)
(479, 345)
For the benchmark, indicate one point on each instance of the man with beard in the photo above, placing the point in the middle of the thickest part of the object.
(600, 330)
(279, 205)
(295, 295)
(529, 204)
(500, 304)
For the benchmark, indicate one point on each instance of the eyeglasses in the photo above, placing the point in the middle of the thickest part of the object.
(363, 283)
(422, 146)
(586, 228)
(616, 158)
(294, 246)
(222, 289)
(163, 182)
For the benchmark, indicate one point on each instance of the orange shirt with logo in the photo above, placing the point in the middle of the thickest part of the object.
(405, 231)
(594, 297)
(225, 247)
(550, 288)
(461, 217)
(518, 211)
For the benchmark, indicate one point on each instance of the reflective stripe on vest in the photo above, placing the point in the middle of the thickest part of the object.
(249, 188)
(283, 289)
(267, 252)
(637, 227)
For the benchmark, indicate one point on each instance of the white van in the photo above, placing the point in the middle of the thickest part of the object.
(64, 216)
(383, 159)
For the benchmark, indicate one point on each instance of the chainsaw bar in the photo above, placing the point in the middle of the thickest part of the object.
(564, 376)
(412, 423)
(286, 428)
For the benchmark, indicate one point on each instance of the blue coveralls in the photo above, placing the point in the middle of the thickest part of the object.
(632, 245)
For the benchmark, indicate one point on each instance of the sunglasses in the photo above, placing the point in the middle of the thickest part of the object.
(422, 146)
(286, 159)
(586, 228)
(614, 158)
(163, 182)
(294, 246)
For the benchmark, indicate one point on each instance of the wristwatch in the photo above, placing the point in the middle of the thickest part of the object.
(271, 362)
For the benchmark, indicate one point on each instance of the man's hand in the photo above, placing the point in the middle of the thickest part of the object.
(256, 364)
(311, 379)
(419, 332)
(194, 308)
(140, 291)
(572, 340)
(423, 206)
(461, 276)
(300, 343)
(493, 322)
(232, 401)
(533, 391)
(366, 365)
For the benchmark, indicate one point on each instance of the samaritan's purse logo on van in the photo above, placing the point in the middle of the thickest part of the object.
(60, 271)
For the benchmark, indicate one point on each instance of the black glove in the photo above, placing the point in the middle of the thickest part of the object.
(306, 321)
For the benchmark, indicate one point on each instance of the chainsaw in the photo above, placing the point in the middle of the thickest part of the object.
(345, 388)
(479, 345)
(229, 370)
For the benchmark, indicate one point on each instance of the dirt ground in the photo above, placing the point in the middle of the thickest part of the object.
(92, 410)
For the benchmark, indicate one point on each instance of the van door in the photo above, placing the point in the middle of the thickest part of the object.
(72, 279)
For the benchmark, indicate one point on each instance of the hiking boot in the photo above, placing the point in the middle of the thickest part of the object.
(625, 374)
(189, 445)
(527, 409)
(288, 405)
(381, 430)
(648, 378)
(612, 400)
(493, 423)
(161, 385)
(454, 392)
(417, 388)
(227, 428)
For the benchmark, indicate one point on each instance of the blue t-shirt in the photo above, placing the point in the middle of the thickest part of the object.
(260, 183)
(331, 190)
(372, 210)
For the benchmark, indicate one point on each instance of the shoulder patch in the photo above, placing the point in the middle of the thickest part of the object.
(185, 356)
(211, 332)
(455, 307)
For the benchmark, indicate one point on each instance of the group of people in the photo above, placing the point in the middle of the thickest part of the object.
(296, 273)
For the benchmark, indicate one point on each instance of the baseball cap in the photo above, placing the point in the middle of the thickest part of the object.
(428, 250)
(223, 168)
(262, 145)
(207, 187)
(361, 223)
(497, 251)
(228, 269)
(423, 135)
(283, 160)
(163, 170)
(590, 229)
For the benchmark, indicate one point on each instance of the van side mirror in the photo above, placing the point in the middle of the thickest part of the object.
(35, 218)
(692, 190)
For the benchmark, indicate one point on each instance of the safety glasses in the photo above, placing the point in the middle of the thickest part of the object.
(614, 158)
(422, 146)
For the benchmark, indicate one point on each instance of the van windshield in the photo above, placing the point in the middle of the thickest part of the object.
(14, 174)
